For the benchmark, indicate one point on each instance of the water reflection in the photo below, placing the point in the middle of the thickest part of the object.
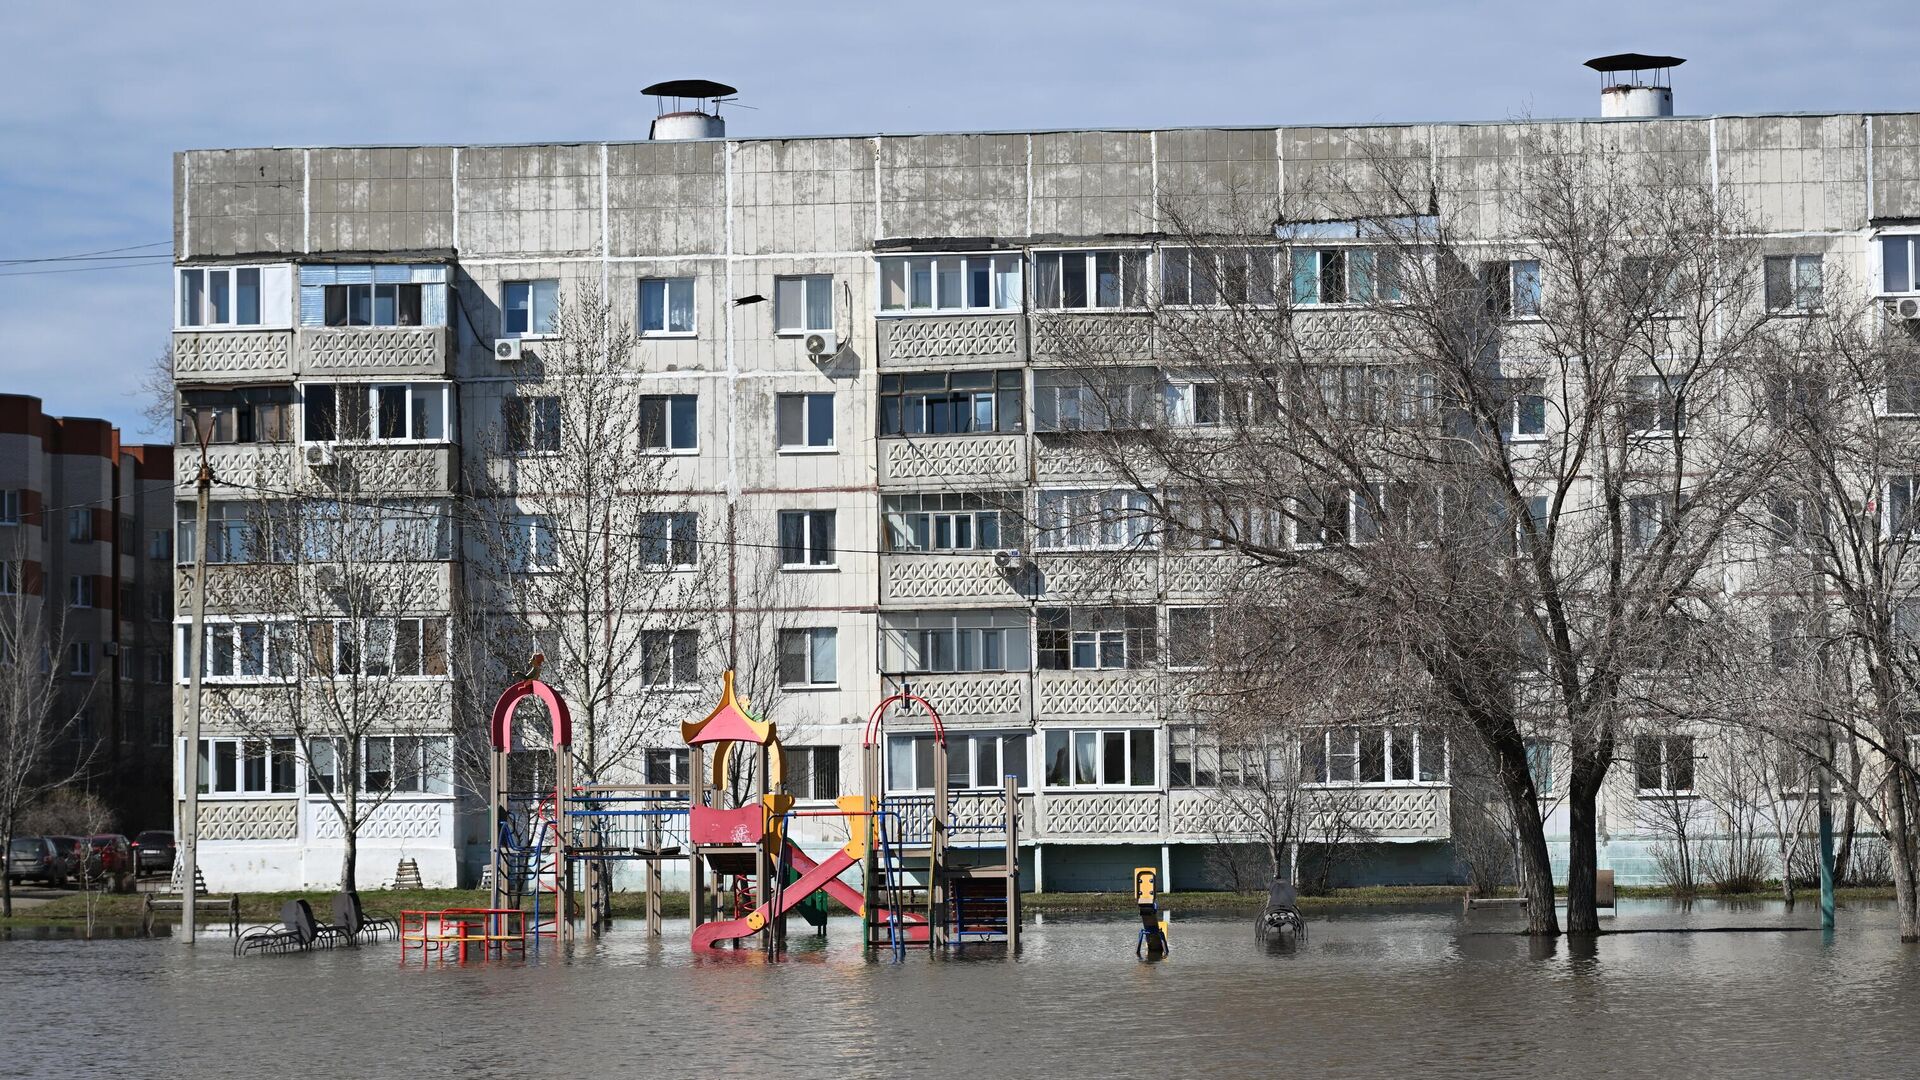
(1366, 993)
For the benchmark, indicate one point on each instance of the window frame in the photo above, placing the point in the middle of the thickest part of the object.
(962, 747)
(533, 331)
(680, 664)
(1665, 745)
(995, 263)
(1358, 753)
(782, 327)
(538, 422)
(10, 502)
(1005, 395)
(1801, 299)
(275, 750)
(205, 321)
(1092, 519)
(1351, 292)
(1071, 740)
(666, 285)
(1065, 635)
(804, 401)
(671, 408)
(1135, 274)
(527, 529)
(370, 436)
(809, 539)
(80, 591)
(935, 642)
(1908, 240)
(80, 660)
(674, 523)
(976, 513)
(812, 659)
(1668, 405)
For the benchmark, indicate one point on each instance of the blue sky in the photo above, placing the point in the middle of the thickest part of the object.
(98, 95)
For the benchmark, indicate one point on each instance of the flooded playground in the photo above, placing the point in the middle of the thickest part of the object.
(1371, 992)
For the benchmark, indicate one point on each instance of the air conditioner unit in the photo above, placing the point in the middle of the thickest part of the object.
(822, 345)
(1008, 560)
(319, 456)
(507, 349)
(112, 648)
(326, 577)
(1906, 307)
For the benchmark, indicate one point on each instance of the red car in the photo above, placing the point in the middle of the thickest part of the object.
(115, 856)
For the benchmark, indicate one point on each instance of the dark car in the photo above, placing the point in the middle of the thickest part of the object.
(153, 851)
(71, 856)
(34, 858)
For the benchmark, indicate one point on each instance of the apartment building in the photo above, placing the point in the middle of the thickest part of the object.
(86, 577)
(850, 349)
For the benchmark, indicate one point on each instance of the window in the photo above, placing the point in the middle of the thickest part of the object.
(259, 415)
(1089, 280)
(950, 283)
(807, 657)
(1344, 275)
(1901, 493)
(1656, 405)
(803, 303)
(246, 766)
(10, 507)
(669, 540)
(220, 296)
(670, 657)
(527, 307)
(1794, 282)
(1190, 636)
(80, 658)
(669, 423)
(666, 306)
(1081, 518)
(1654, 283)
(806, 538)
(531, 424)
(666, 766)
(1540, 765)
(159, 544)
(419, 647)
(1512, 288)
(1195, 759)
(1335, 515)
(1646, 516)
(9, 578)
(804, 421)
(1201, 278)
(1903, 385)
(362, 412)
(80, 591)
(237, 532)
(373, 295)
(1793, 523)
(80, 526)
(1523, 409)
(535, 547)
(944, 641)
(1374, 755)
(909, 763)
(368, 304)
(951, 521)
(985, 761)
(1367, 392)
(952, 403)
(1104, 758)
(411, 764)
(1663, 764)
(1088, 639)
(812, 772)
(1900, 263)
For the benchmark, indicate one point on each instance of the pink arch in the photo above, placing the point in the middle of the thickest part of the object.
(501, 729)
(873, 718)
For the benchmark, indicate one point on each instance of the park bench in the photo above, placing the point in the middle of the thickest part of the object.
(1603, 895)
(175, 899)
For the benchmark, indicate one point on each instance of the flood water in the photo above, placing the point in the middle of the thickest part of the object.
(1371, 993)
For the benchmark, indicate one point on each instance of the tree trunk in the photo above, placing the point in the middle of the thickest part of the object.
(6, 879)
(1900, 854)
(1583, 852)
(1844, 855)
(1523, 807)
(348, 863)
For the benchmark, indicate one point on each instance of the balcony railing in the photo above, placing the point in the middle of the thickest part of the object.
(373, 350)
(918, 340)
(953, 461)
(232, 356)
(945, 580)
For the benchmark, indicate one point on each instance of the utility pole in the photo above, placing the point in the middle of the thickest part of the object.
(196, 644)
(1826, 852)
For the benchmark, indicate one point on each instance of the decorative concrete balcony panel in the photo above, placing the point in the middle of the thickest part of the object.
(1111, 576)
(395, 351)
(1208, 817)
(945, 580)
(249, 819)
(974, 700)
(404, 706)
(1102, 815)
(399, 818)
(390, 470)
(938, 463)
(232, 356)
(1092, 337)
(1383, 813)
(1062, 459)
(1096, 695)
(238, 469)
(1330, 332)
(267, 588)
(1204, 577)
(950, 340)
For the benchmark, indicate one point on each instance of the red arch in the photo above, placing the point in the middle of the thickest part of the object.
(501, 729)
(873, 718)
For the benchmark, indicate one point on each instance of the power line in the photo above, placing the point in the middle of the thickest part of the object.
(151, 260)
(79, 255)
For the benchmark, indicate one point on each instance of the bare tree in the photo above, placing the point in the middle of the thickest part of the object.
(341, 666)
(579, 551)
(156, 394)
(39, 713)
(1487, 466)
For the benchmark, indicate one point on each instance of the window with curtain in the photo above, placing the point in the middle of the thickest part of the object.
(666, 306)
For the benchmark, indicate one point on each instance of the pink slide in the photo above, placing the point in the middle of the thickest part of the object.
(814, 877)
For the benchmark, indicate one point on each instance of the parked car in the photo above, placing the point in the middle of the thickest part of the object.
(72, 859)
(153, 851)
(34, 857)
(116, 859)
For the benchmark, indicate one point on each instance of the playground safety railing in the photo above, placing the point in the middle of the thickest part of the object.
(461, 930)
(613, 826)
